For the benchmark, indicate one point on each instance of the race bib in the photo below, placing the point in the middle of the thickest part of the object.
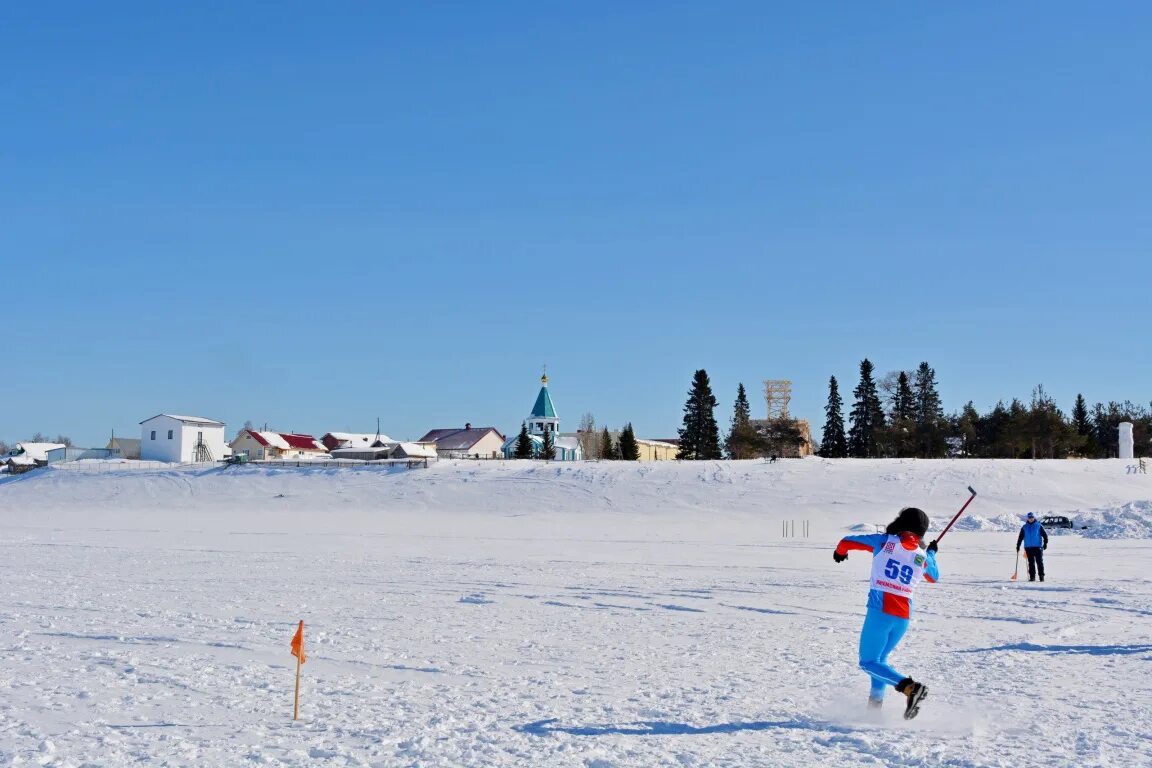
(896, 570)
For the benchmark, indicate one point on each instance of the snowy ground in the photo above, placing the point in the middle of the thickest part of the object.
(595, 615)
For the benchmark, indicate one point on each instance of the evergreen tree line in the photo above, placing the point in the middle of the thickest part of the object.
(902, 416)
(700, 434)
(623, 449)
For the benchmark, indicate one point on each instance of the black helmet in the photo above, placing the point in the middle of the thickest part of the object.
(910, 519)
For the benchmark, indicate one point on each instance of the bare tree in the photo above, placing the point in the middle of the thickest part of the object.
(4, 448)
(64, 440)
(589, 440)
(39, 437)
(886, 384)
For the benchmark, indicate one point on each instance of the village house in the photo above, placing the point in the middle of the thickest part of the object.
(387, 451)
(182, 439)
(656, 450)
(265, 445)
(125, 447)
(334, 440)
(415, 451)
(26, 456)
(467, 443)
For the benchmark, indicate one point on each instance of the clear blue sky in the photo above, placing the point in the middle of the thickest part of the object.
(314, 217)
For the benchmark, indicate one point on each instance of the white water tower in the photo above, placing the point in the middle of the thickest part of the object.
(1127, 444)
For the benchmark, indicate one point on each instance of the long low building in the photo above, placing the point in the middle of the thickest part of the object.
(380, 451)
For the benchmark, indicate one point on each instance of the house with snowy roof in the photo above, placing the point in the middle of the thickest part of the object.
(467, 443)
(262, 444)
(544, 419)
(124, 447)
(334, 440)
(26, 456)
(182, 439)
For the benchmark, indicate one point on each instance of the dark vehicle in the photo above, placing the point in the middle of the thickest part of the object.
(1056, 521)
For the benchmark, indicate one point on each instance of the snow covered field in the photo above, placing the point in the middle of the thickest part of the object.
(593, 615)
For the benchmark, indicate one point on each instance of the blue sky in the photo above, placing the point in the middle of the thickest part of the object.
(260, 211)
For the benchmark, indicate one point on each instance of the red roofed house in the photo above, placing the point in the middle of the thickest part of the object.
(276, 445)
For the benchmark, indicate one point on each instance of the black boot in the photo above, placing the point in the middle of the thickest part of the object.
(915, 692)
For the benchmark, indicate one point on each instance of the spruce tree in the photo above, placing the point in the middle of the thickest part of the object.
(867, 417)
(548, 450)
(928, 413)
(742, 442)
(523, 449)
(607, 449)
(899, 437)
(903, 401)
(1085, 442)
(700, 436)
(926, 398)
(968, 430)
(833, 444)
(1080, 418)
(629, 448)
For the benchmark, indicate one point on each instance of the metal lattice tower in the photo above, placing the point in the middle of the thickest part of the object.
(777, 393)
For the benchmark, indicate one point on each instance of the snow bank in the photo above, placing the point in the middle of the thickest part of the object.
(1124, 521)
(829, 495)
(1127, 521)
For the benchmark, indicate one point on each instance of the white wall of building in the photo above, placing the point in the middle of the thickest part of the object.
(166, 438)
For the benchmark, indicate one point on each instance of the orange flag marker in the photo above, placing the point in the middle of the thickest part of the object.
(298, 652)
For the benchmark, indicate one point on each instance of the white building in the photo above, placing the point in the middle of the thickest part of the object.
(182, 439)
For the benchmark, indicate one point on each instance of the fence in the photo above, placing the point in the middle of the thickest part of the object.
(129, 465)
(409, 463)
(89, 465)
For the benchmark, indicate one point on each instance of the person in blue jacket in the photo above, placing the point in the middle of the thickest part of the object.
(898, 565)
(1035, 541)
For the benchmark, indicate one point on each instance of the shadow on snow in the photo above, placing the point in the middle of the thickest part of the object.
(655, 728)
(1091, 650)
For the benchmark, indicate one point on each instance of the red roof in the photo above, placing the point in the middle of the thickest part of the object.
(306, 442)
(299, 442)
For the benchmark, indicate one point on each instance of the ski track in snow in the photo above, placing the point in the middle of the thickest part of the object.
(145, 618)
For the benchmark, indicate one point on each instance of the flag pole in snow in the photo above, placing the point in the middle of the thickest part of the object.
(957, 517)
(298, 652)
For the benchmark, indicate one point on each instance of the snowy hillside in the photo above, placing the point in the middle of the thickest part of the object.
(593, 614)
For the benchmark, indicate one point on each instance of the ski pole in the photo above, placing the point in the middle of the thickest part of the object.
(957, 517)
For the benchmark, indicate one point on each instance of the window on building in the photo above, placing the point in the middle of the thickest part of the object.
(153, 434)
(169, 434)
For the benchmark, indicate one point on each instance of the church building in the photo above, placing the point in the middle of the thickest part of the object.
(544, 419)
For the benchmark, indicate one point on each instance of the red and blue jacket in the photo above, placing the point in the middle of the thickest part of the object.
(893, 579)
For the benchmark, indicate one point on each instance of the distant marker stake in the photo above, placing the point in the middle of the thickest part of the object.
(298, 652)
